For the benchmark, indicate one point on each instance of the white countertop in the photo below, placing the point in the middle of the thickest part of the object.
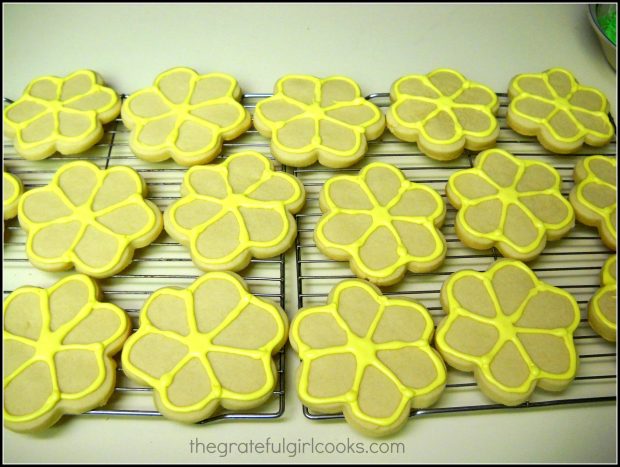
(374, 44)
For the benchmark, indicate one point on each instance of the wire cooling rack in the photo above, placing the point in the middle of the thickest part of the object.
(572, 263)
(163, 263)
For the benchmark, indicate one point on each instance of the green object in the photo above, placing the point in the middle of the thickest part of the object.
(608, 25)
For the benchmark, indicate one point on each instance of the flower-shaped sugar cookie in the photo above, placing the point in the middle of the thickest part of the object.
(12, 189)
(368, 356)
(89, 218)
(511, 329)
(310, 119)
(185, 116)
(559, 111)
(234, 211)
(58, 349)
(382, 223)
(594, 196)
(208, 345)
(603, 307)
(512, 204)
(60, 114)
(444, 113)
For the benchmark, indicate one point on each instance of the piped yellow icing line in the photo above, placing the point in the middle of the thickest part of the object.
(55, 140)
(606, 214)
(200, 344)
(445, 104)
(559, 103)
(50, 343)
(13, 188)
(365, 350)
(86, 217)
(317, 113)
(183, 113)
(381, 217)
(232, 203)
(507, 196)
(506, 327)
(609, 285)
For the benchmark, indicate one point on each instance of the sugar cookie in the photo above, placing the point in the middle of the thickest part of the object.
(205, 346)
(185, 116)
(234, 211)
(60, 114)
(594, 196)
(382, 223)
(88, 218)
(559, 111)
(368, 356)
(310, 119)
(603, 307)
(12, 189)
(444, 113)
(509, 203)
(511, 329)
(58, 349)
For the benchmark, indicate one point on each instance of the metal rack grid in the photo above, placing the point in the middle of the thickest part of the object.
(572, 263)
(163, 263)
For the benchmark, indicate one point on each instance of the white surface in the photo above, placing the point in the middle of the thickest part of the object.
(374, 44)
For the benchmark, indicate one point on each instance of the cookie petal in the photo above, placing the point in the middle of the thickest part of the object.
(500, 166)
(23, 313)
(78, 371)
(441, 127)
(147, 104)
(241, 374)
(401, 322)
(512, 285)
(339, 137)
(548, 310)
(343, 228)
(75, 124)
(562, 124)
(205, 180)
(246, 171)
(53, 243)
(532, 108)
(118, 185)
(384, 182)
(98, 250)
(548, 352)
(477, 95)
(176, 84)
(471, 186)
(152, 355)
(67, 298)
(346, 193)
(23, 111)
(379, 397)
(190, 386)
(298, 134)
(98, 100)
(167, 311)
(551, 209)
(131, 220)
(411, 111)
(43, 205)
(534, 85)
(447, 82)
(317, 329)
(562, 82)
(269, 225)
(509, 368)
(418, 368)
(280, 187)
(588, 99)
(475, 121)
(45, 88)
(328, 378)
(336, 90)
(15, 354)
(38, 130)
(520, 230)
(30, 393)
(253, 328)
(189, 213)
(214, 86)
(196, 136)
(216, 296)
(303, 89)
(416, 85)
(78, 181)
(226, 115)
(361, 113)
(597, 123)
(468, 338)
(380, 251)
(538, 177)
(357, 305)
(278, 109)
(417, 201)
(104, 324)
(220, 241)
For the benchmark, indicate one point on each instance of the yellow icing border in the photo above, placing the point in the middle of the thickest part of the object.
(506, 328)
(50, 343)
(507, 196)
(86, 217)
(365, 351)
(603, 326)
(232, 203)
(199, 344)
(9, 205)
(381, 217)
(56, 141)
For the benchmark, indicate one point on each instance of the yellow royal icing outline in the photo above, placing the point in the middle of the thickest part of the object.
(232, 204)
(200, 344)
(608, 285)
(559, 103)
(604, 214)
(52, 343)
(55, 107)
(506, 328)
(183, 113)
(317, 113)
(365, 350)
(9, 205)
(382, 218)
(446, 104)
(508, 196)
(87, 217)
